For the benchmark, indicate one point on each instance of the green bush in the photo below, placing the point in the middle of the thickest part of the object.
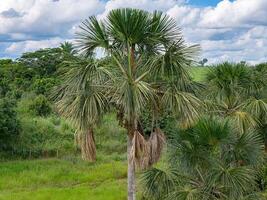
(5, 61)
(41, 106)
(43, 85)
(4, 87)
(9, 125)
(41, 138)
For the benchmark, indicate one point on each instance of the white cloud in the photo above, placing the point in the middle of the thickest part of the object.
(185, 15)
(46, 16)
(248, 46)
(31, 45)
(149, 5)
(239, 13)
(234, 30)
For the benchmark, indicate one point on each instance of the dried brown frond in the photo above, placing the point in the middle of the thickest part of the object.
(140, 151)
(156, 143)
(144, 153)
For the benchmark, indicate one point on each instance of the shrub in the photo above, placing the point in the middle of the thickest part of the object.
(41, 106)
(42, 86)
(4, 87)
(41, 138)
(9, 125)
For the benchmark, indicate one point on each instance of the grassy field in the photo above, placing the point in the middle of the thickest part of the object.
(62, 179)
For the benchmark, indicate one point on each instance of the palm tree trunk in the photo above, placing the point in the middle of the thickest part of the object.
(131, 171)
(88, 148)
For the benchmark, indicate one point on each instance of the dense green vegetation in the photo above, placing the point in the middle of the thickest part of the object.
(209, 161)
(58, 108)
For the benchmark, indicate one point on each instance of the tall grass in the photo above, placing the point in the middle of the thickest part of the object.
(62, 179)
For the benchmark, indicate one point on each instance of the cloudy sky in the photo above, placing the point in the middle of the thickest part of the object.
(232, 30)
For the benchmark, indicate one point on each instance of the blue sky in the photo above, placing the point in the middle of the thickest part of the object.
(204, 2)
(232, 30)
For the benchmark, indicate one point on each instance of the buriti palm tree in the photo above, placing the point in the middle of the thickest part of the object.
(81, 100)
(210, 161)
(145, 62)
(235, 91)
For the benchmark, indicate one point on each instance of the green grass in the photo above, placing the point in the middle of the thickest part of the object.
(62, 179)
(199, 73)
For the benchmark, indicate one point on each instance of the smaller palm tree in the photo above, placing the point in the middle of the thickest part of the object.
(67, 47)
(235, 92)
(208, 161)
(81, 100)
(228, 79)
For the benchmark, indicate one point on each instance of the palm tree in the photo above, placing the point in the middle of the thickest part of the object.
(146, 60)
(210, 160)
(67, 47)
(235, 92)
(80, 99)
(257, 102)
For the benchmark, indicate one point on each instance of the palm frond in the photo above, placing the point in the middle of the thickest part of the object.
(228, 79)
(158, 183)
(243, 120)
(245, 149)
(127, 26)
(184, 105)
(258, 109)
(91, 35)
(236, 181)
(156, 143)
(139, 153)
(81, 97)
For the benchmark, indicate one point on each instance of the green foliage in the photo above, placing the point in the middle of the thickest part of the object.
(17, 75)
(80, 98)
(40, 106)
(14, 93)
(9, 124)
(165, 122)
(44, 62)
(228, 79)
(146, 77)
(43, 85)
(40, 137)
(5, 61)
(237, 92)
(4, 87)
(110, 137)
(147, 62)
(208, 161)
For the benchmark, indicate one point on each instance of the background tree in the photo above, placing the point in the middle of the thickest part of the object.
(203, 61)
(9, 124)
(40, 106)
